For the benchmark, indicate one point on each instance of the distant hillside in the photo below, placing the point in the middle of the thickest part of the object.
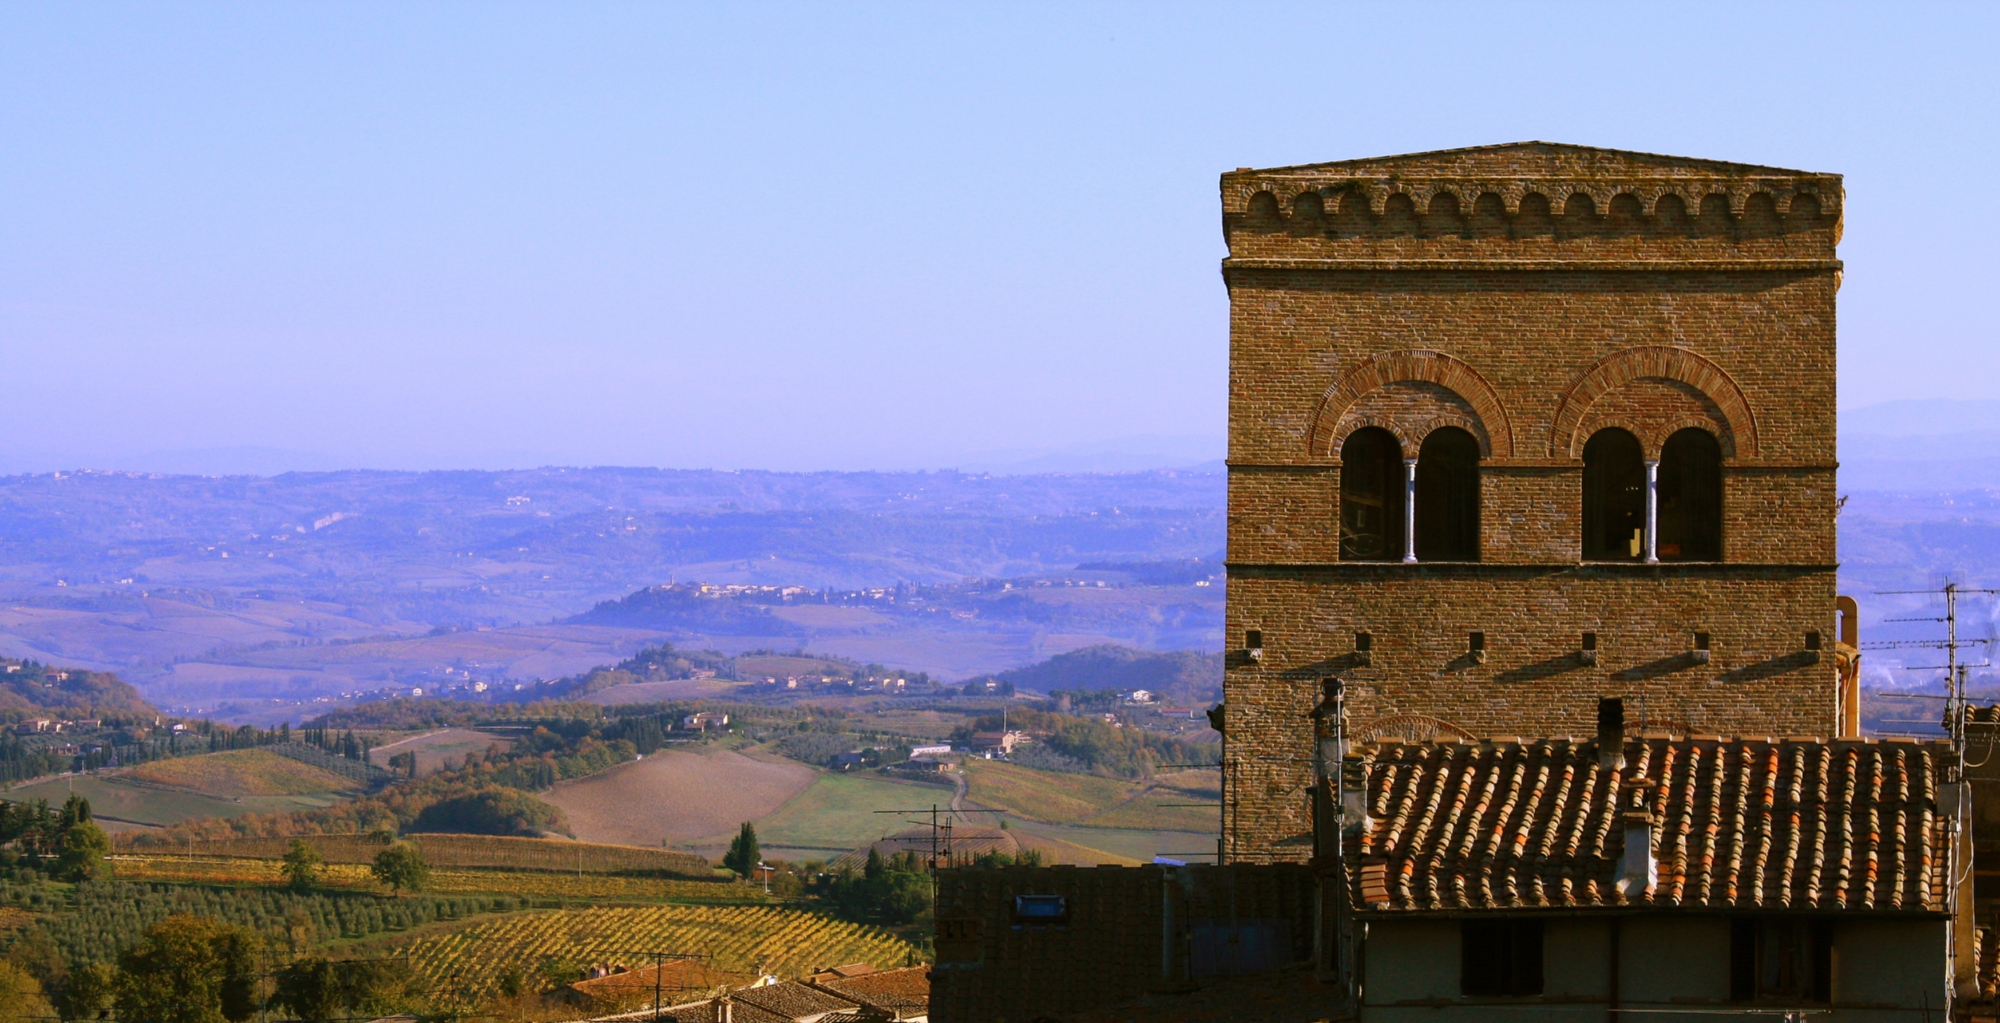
(29, 689)
(1180, 674)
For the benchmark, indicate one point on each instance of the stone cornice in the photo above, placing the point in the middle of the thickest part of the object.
(1691, 189)
(1781, 265)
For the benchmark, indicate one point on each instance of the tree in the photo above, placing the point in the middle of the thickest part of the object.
(22, 993)
(301, 867)
(188, 969)
(84, 847)
(401, 867)
(743, 855)
(88, 993)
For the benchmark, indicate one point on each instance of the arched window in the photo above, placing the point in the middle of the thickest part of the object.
(1448, 497)
(1371, 496)
(1691, 497)
(1614, 497)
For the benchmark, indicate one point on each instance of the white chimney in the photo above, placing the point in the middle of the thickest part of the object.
(1639, 869)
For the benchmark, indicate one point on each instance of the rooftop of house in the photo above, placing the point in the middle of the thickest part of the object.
(903, 992)
(792, 1000)
(1756, 823)
(675, 977)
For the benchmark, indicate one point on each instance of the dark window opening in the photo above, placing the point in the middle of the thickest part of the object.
(1500, 958)
(1701, 641)
(1781, 960)
(1614, 497)
(1371, 496)
(1691, 497)
(1363, 642)
(1590, 641)
(1475, 642)
(1448, 497)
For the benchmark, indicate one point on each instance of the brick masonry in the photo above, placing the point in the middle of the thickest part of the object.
(1532, 295)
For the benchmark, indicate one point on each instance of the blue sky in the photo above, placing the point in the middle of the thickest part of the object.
(839, 236)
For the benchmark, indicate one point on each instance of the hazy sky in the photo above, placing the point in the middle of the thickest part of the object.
(840, 236)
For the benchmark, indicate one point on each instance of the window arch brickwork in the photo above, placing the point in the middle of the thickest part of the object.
(1664, 363)
(1490, 423)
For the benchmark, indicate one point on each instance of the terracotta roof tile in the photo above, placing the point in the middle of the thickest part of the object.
(1747, 823)
(904, 992)
(792, 1000)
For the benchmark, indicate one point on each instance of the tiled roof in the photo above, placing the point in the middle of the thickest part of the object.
(904, 992)
(1772, 824)
(793, 1000)
(674, 979)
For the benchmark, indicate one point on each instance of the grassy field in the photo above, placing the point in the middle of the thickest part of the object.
(539, 885)
(468, 963)
(838, 813)
(1082, 799)
(1042, 795)
(1073, 844)
(434, 748)
(474, 851)
(114, 797)
(1164, 805)
(243, 772)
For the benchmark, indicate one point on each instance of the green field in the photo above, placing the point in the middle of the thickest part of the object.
(1121, 843)
(120, 799)
(1042, 795)
(240, 773)
(838, 813)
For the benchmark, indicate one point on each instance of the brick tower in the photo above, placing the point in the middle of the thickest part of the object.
(1516, 427)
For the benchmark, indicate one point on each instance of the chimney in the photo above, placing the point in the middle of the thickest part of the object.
(1638, 870)
(1611, 733)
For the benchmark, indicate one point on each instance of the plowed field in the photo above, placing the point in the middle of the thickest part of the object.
(678, 796)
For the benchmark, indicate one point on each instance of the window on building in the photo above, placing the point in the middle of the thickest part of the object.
(1691, 497)
(1371, 496)
(1614, 497)
(1448, 497)
(1500, 957)
(1787, 960)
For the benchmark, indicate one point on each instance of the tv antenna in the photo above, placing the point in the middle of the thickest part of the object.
(1954, 668)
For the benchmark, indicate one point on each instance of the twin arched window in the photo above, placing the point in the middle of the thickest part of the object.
(1684, 492)
(1428, 509)
(1382, 497)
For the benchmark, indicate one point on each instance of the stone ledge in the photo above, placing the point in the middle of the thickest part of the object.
(1571, 265)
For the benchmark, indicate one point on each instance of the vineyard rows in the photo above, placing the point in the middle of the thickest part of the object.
(102, 918)
(470, 962)
(453, 851)
(541, 886)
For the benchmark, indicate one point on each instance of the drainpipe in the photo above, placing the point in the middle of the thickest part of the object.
(1409, 511)
(1652, 513)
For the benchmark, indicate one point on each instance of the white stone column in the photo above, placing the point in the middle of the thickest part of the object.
(1652, 513)
(1409, 511)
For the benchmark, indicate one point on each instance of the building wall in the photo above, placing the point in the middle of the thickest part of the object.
(1413, 293)
(1903, 963)
(1887, 970)
(1130, 930)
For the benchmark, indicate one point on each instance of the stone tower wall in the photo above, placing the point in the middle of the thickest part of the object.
(1530, 295)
